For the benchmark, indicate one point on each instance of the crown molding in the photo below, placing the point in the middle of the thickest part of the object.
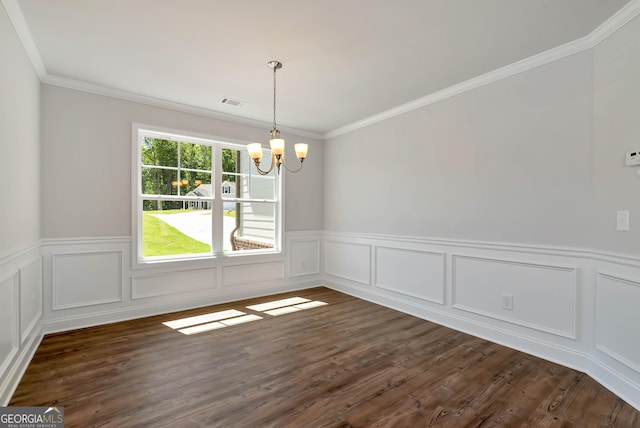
(17, 19)
(475, 82)
(606, 29)
(614, 23)
(24, 34)
(92, 88)
(610, 26)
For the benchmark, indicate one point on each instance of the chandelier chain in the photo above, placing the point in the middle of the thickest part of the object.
(274, 98)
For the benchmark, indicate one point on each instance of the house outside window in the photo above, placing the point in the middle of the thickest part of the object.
(198, 197)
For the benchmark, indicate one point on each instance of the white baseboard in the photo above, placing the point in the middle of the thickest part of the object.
(528, 344)
(107, 316)
(21, 313)
(607, 376)
(16, 370)
(567, 303)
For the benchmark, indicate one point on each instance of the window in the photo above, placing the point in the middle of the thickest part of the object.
(197, 197)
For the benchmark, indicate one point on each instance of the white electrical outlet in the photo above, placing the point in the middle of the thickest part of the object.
(507, 302)
(622, 220)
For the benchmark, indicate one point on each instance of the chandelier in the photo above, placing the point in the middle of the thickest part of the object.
(276, 143)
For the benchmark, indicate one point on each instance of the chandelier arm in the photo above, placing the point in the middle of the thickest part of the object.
(263, 172)
(293, 170)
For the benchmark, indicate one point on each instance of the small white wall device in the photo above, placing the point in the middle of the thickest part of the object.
(633, 158)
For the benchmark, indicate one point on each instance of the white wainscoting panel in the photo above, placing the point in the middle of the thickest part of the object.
(618, 318)
(544, 296)
(256, 272)
(304, 257)
(30, 297)
(412, 272)
(349, 261)
(86, 278)
(20, 314)
(165, 283)
(8, 320)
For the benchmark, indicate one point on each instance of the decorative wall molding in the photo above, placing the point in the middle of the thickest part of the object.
(577, 314)
(30, 298)
(9, 320)
(163, 283)
(10, 379)
(413, 272)
(86, 241)
(509, 247)
(304, 256)
(360, 265)
(524, 282)
(483, 327)
(119, 292)
(251, 273)
(86, 278)
(10, 256)
(617, 318)
(617, 258)
(348, 260)
(20, 314)
(155, 306)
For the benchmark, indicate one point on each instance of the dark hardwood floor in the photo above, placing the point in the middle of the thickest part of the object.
(349, 363)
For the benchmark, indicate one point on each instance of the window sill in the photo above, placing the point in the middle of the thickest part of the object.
(209, 260)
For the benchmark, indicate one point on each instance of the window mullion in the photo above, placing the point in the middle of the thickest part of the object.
(178, 177)
(217, 227)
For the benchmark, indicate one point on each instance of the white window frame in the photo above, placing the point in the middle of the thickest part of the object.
(217, 199)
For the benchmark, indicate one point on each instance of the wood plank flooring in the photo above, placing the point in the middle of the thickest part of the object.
(349, 363)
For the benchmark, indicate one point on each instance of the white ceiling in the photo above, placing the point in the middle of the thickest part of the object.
(344, 60)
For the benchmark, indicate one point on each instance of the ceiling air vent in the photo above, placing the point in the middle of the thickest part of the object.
(233, 102)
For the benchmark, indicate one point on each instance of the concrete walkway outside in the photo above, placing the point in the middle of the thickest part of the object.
(197, 225)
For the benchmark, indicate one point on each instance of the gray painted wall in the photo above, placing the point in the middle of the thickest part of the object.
(536, 158)
(616, 128)
(20, 142)
(507, 162)
(87, 152)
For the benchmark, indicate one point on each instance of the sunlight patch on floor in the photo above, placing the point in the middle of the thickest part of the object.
(222, 319)
(241, 320)
(262, 307)
(312, 304)
(286, 306)
(219, 324)
(201, 328)
(282, 311)
(201, 319)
